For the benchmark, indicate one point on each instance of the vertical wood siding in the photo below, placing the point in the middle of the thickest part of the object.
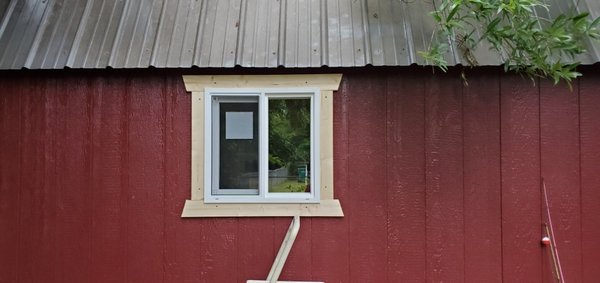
(589, 115)
(520, 171)
(439, 182)
(482, 181)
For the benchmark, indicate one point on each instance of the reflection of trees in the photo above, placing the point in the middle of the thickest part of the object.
(289, 132)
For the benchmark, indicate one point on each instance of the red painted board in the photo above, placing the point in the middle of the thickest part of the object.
(145, 161)
(10, 181)
(521, 207)
(482, 180)
(36, 226)
(590, 179)
(93, 206)
(559, 126)
(405, 178)
(49, 248)
(329, 250)
(108, 250)
(219, 242)
(182, 236)
(256, 251)
(74, 183)
(298, 266)
(330, 235)
(444, 179)
(366, 196)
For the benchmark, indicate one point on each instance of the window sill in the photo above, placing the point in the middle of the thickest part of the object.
(326, 208)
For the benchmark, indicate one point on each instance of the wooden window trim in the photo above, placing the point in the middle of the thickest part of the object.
(327, 207)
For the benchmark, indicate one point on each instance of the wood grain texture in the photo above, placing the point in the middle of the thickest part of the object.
(330, 236)
(322, 81)
(10, 181)
(560, 168)
(218, 256)
(406, 179)
(72, 170)
(521, 199)
(108, 254)
(482, 184)
(197, 208)
(439, 182)
(366, 196)
(197, 134)
(326, 145)
(444, 179)
(590, 179)
(255, 258)
(145, 198)
(326, 208)
(36, 243)
(50, 195)
(182, 238)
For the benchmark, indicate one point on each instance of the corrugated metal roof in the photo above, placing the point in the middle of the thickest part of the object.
(53, 34)
(3, 6)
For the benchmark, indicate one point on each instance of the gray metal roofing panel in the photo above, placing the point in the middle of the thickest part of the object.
(19, 28)
(176, 39)
(53, 42)
(231, 27)
(3, 7)
(593, 7)
(225, 33)
(259, 35)
(218, 37)
(92, 47)
(561, 6)
(136, 35)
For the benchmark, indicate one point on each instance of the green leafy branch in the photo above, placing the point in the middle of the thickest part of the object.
(526, 41)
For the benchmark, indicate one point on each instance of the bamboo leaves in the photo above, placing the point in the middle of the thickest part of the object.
(516, 30)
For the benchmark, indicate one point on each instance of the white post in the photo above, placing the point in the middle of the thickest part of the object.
(284, 251)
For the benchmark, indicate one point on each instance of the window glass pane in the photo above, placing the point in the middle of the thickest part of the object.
(289, 144)
(238, 146)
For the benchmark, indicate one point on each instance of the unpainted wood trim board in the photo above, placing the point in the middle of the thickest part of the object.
(328, 206)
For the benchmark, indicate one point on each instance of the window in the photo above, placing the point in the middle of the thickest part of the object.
(262, 145)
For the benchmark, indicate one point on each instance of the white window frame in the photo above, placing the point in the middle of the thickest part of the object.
(211, 127)
(213, 194)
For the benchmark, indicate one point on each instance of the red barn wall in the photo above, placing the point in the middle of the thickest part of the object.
(438, 181)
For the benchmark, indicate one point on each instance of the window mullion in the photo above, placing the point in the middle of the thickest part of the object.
(263, 128)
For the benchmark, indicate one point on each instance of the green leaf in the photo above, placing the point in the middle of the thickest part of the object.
(529, 43)
(453, 11)
(580, 17)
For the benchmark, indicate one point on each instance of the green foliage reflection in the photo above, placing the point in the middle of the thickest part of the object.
(289, 132)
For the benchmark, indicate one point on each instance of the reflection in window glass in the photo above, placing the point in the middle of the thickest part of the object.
(289, 145)
(238, 146)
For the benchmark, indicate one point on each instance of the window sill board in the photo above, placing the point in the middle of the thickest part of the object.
(326, 208)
